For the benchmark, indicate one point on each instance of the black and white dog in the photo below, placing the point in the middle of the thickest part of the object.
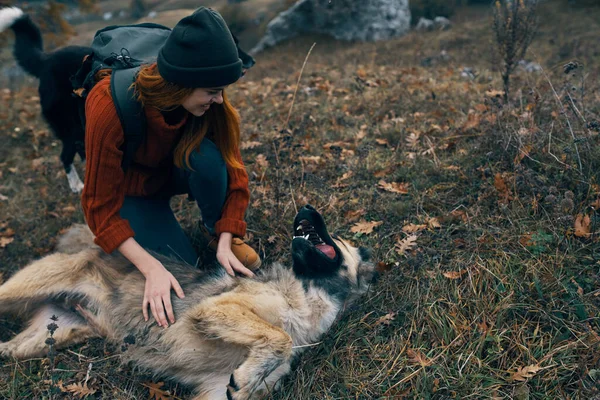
(54, 70)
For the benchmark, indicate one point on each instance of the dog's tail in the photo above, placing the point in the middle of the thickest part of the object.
(29, 48)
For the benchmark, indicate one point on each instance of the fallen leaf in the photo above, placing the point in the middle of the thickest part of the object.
(523, 152)
(311, 159)
(271, 239)
(494, 93)
(365, 227)
(501, 187)
(80, 390)
(394, 187)
(386, 319)
(5, 241)
(524, 373)
(582, 225)
(261, 160)
(249, 144)
(156, 391)
(8, 232)
(454, 274)
(473, 121)
(354, 215)
(412, 228)
(385, 172)
(3, 197)
(361, 73)
(402, 246)
(382, 142)
(434, 223)
(69, 209)
(417, 357)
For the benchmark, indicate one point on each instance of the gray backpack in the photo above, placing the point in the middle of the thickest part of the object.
(124, 48)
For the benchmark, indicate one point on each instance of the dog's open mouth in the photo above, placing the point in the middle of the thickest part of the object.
(307, 231)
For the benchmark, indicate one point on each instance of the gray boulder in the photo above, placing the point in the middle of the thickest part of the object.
(366, 20)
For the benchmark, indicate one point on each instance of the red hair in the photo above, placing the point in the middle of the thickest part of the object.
(222, 120)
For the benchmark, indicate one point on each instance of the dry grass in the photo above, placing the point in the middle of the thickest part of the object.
(501, 301)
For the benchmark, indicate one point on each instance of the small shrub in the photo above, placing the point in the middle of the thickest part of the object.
(515, 25)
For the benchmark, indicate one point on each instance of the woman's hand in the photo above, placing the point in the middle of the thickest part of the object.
(227, 259)
(157, 294)
(159, 281)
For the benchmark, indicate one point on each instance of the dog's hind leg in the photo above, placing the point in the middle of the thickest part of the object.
(53, 275)
(269, 346)
(31, 342)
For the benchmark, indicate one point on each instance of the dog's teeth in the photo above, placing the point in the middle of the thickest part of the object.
(299, 228)
(306, 237)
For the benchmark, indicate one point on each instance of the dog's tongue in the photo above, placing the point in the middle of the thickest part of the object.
(326, 249)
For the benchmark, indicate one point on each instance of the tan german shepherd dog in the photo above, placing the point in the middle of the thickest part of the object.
(234, 337)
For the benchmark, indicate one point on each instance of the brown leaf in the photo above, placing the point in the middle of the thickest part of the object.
(261, 160)
(386, 319)
(412, 228)
(473, 121)
(394, 187)
(365, 227)
(381, 267)
(361, 73)
(271, 239)
(434, 223)
(417, 357)
(524, 373)
(454, 274)
(156, 391)
(8, 232)
(382, 142)
(5, 241)
(385, 172)
(402, 246)
(582, 225)
(249, 144)
(501, 187)
(523, 152)
(354, 215)
(80, 390)
(494, 93)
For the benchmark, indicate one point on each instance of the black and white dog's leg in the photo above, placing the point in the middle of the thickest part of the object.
(67, 156)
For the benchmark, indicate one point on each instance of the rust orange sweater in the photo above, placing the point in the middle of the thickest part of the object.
(106, 184)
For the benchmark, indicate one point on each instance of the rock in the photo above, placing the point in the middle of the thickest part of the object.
(424, 24)
(442, 23)
(530, 66)
(343, 19)
(439, 23)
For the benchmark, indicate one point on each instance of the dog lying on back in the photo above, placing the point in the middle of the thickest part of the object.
(234, 337)
(54, 70)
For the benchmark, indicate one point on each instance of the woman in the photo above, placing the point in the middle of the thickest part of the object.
(191, 147)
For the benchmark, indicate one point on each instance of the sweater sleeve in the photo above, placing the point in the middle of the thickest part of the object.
(236, 202)
(104, 192)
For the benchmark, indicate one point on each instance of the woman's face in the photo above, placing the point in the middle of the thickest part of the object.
(200, 100)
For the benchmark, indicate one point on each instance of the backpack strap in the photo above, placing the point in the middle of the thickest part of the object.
(130, 112)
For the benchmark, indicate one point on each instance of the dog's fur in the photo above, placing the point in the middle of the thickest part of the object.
(54, 69)
(233, 337)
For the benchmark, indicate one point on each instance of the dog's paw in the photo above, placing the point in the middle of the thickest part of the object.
(76, 187)
(235, 392)
(5, 350)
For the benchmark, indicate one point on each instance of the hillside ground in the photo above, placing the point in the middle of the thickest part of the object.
(482, 215)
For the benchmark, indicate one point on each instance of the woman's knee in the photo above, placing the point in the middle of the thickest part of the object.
(207, 157)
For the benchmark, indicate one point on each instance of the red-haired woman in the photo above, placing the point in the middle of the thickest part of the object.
(191, 147)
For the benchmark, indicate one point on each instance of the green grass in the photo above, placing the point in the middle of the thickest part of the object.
(503, 284)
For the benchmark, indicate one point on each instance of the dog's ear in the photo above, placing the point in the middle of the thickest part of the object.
(365, 254)
(247, 60)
